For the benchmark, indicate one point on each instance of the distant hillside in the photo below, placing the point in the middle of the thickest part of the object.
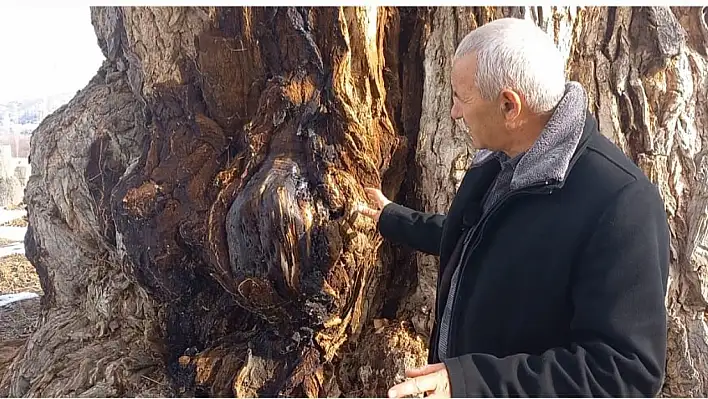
(22, 117)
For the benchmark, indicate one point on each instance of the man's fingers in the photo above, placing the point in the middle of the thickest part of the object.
(366, 211)
(371, 192)
(414, 386)
(373, 200)
(430, 368)
(376, 196)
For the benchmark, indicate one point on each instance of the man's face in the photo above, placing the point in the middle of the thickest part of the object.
(483, 118)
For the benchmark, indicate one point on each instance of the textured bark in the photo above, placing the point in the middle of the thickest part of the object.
(647, 75)
(190, 209)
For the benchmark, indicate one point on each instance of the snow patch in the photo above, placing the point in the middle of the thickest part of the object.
(20, 296)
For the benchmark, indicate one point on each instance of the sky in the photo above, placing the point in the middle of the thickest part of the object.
(46, 51)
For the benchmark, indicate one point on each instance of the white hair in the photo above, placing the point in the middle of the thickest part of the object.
(516, 54)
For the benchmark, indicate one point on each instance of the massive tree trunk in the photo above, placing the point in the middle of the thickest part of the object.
(191, 209)
(646, 70)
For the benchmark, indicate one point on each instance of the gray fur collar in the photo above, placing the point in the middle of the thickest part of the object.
(550, 155)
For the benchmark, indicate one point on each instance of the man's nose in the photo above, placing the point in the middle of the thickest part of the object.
(454, 113)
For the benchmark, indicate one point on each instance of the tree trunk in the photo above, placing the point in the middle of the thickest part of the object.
(646, 70)
(191, 209)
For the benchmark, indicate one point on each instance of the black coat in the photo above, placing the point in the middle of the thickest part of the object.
(563, 293)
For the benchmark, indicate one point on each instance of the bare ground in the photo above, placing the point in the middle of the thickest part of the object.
(17, 320)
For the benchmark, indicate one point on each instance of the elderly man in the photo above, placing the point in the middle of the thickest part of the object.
(554, 253)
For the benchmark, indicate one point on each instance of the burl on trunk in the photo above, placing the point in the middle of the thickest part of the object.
(191, 209)
(193, 205)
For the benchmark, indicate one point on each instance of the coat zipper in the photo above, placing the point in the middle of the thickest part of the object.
(479, 232)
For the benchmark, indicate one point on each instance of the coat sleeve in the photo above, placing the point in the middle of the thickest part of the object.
(418, 230)
(618, 339)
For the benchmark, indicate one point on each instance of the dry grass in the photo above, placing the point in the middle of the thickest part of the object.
(16, 207)
(19, 319)
(18, 275)
(19, 222)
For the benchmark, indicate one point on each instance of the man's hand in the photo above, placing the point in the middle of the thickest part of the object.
(431, 380)
(377, 200)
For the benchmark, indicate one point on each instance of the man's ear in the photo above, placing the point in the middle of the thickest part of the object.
(510, 104)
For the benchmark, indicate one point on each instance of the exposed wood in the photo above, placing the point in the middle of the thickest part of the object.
(191, 209)
(216, 204)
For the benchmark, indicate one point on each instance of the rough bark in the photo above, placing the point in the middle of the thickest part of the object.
(647, 75)
(98, 326)
(190, 210)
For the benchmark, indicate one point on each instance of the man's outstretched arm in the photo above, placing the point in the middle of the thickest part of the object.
(618, 338)
(418, 230)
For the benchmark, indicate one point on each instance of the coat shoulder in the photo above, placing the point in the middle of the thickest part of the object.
(604, 168)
